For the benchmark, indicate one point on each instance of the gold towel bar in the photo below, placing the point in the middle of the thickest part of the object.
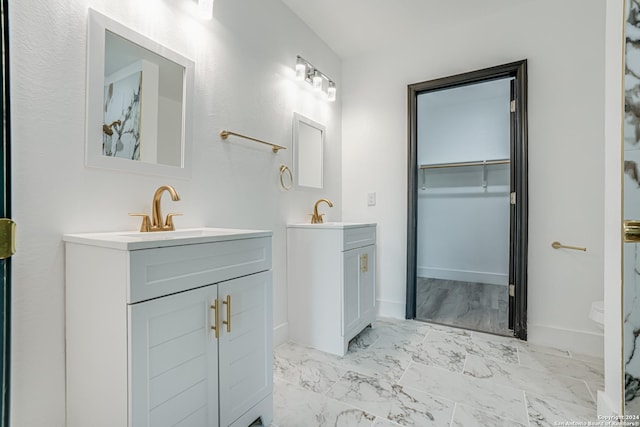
(558, 245)
(224, 134)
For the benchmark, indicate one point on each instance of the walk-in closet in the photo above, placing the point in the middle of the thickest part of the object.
(463, 206)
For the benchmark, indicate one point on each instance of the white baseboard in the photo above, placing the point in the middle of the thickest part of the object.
(464, 275)
(579, 342)
(393, 309)
(606, 408)
(281, 334)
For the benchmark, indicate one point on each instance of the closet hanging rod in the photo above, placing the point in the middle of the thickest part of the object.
(224, 134)
(459, 164)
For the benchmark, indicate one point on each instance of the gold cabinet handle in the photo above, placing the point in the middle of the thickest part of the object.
(631, 230)
(227, 322)
(364, 263)
(216, 322)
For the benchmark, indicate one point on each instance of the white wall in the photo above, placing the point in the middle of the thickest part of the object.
(244, 75)
(464, 124)
(168, 132)
(463, 228)
(566, 89)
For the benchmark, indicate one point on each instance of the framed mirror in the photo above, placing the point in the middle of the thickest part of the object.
(138, 102)
(308, 152)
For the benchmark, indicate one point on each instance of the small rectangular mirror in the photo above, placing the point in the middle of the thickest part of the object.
(138, 107)
(308, 152)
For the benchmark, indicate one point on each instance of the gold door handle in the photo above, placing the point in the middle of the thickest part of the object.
(631, 230)
(227, 322)
(216, 322)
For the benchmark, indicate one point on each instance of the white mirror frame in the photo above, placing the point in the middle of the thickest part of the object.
(299, 121)
(97, 27)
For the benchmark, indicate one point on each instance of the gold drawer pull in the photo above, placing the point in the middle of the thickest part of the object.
(216, 322)
(227, 322)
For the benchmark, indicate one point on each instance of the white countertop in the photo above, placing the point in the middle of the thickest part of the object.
(336, 225)
(134, 240)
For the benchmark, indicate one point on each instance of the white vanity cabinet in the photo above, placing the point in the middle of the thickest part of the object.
(142, 350)
(331, 282)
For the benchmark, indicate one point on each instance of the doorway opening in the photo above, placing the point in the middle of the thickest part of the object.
(467, 201)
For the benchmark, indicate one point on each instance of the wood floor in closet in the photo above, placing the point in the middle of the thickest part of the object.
(476, 306)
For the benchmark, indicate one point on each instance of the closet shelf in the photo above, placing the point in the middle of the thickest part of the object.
(460, 164)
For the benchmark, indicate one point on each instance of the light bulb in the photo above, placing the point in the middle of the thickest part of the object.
(301, 69)
(205, 9)
(331, 92)
(317, 80)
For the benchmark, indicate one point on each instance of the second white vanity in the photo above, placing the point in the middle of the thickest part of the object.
(169, 328)
(331, 279)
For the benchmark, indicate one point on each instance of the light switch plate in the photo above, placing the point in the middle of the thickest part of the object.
(371, 199)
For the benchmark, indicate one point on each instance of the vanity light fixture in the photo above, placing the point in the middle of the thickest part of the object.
(301, 69)
(331, 92)
(205, 9)
(316, 78)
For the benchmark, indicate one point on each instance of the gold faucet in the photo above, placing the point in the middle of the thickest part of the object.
(316, 218)
(156, 223)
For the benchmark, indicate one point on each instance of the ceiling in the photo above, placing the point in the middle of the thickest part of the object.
(354, 27)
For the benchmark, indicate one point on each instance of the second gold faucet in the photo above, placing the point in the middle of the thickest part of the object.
(156, 224)
(316, 218)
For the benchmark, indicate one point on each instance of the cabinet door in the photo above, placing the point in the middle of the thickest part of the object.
(359, 288)
(367, 282)
(246, 344)
(351, 290)
(174, 366)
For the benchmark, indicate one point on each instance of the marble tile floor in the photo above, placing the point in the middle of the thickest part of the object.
(408, 373)
(477, 306)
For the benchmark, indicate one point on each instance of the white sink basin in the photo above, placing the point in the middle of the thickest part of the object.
(132, 240)
(178, 234)
(332, 224)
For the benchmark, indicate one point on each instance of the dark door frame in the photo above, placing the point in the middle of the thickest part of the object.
(519, 184)
(5, 212)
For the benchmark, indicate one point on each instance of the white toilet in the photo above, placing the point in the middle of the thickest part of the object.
(597, 313)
